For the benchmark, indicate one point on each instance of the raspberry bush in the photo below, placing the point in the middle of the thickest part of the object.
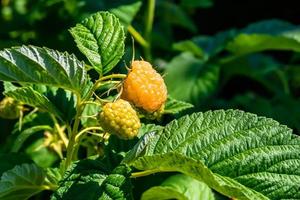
(117, 128)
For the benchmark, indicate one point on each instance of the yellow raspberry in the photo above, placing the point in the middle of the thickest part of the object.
(121, 119)
(144, 87)
(9, 108)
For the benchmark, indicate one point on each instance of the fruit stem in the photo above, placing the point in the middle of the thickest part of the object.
(85, 130)
(148, 27)
(137, 36)
(121, 76)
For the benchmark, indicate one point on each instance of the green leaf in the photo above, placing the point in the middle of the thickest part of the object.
(100, 38)
(53, 175)
(174, 106)
(174, 14)
(63, 100)
(195, 80)
(36, 65)
(179, 187)
(266, 35)
(127, 12)
(146, 128)
(22, 182)
(8, 86)
(236, 153)
(25, 134)
(90, 179)
(33, 98)
(40, 154)
(90, 111)
(197, 3)
(9, 160)
(206, 47)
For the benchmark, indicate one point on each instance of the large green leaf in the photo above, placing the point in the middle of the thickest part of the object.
(195, 80)
(179, 187)
(206, 47)
(10, 160)
(90, 179)
(22, 182)
(236, 153)
(33, 98)
(174, 106)
(266, 35)
(36, 65)
(100, 38)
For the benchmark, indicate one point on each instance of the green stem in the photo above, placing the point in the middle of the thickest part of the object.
(98, 83)
(72, 141)
(137, 36)
(148, 172)
(121, 76)
(85, 130)
(148, 27)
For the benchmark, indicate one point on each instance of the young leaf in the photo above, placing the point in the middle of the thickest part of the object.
(174, 106)
(195, 80)
(53, 176)
(179, 187)
(22, 182)
(100, 38)
(238, 154)
(90, 179)
(36, 65)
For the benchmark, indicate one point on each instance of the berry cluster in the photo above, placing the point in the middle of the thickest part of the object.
(146, 90)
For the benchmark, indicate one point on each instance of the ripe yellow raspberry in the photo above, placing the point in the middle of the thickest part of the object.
(9, 108)
(121, 119)
(144, 87)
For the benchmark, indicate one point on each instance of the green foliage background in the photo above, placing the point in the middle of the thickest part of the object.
(214, 55)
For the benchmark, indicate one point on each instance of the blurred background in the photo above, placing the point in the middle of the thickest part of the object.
(214, 54)
(222, 54)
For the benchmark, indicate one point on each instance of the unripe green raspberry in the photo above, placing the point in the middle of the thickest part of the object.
(121, 119)
(9, 108)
